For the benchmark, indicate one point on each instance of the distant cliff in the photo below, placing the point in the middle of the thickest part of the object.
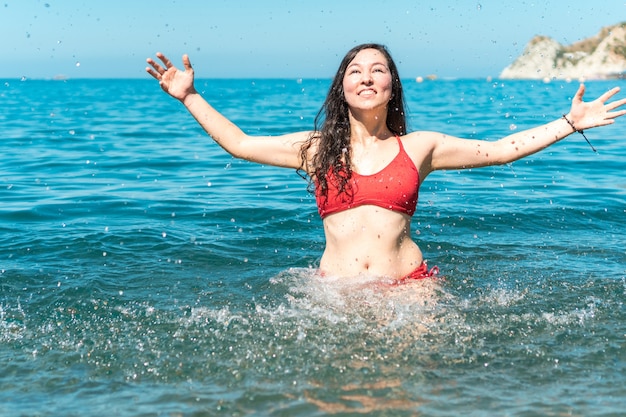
(599, 57)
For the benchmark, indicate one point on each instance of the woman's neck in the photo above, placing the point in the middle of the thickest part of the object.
(364, 128)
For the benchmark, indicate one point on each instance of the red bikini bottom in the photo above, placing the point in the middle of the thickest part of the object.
(421, 272)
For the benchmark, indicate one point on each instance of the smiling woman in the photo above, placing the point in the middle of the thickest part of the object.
(367, 83)
(365, 168)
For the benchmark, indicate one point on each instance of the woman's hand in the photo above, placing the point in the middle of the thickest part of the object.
(176, 83)
(585, 115)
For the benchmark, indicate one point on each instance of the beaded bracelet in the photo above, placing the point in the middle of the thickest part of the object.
(579, 131)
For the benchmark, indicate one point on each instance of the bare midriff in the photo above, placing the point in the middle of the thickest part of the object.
(369, 240)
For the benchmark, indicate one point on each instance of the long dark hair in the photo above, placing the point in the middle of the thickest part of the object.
(332, 126)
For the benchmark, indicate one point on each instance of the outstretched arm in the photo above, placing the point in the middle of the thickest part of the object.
(281, 151)
(453, 153)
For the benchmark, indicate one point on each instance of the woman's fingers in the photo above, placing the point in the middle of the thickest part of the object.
(153, 70)
(168, 64)
(158, 69)
(187, 63)
(606, 96)
(579, 94)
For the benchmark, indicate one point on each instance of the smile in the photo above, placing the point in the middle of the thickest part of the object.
(367, 92)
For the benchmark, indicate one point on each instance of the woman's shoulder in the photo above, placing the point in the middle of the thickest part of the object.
(421, 135)
(419, 146)
(421, 140)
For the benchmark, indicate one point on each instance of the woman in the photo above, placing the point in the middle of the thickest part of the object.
(365, 167)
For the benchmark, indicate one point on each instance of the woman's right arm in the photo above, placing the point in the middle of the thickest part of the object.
(282, 151)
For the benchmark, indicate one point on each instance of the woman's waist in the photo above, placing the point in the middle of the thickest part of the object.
(358, 258)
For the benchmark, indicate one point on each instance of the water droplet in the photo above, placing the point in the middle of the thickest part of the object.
(77, 64)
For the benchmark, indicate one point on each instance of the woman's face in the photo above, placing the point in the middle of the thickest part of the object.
(367, 82)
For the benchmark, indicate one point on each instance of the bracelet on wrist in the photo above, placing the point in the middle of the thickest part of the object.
(579, 131)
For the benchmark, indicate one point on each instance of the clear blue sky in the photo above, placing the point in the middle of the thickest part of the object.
(283, 38)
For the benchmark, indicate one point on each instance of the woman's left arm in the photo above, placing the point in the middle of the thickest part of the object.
(455, 153)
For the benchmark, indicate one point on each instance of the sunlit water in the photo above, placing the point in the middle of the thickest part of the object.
(145, 272)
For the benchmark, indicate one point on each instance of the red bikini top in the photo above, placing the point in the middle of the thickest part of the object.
(395, 188)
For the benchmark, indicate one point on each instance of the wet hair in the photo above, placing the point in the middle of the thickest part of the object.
(332, 126)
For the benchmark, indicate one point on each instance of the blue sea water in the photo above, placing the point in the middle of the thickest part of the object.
(145, 272)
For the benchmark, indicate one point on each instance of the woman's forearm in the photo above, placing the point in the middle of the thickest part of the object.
(223, 131)
(528, 142)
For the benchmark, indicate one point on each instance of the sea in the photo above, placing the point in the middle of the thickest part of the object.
(146, 272)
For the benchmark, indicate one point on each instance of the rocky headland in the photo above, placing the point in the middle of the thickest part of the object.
(602, 56)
